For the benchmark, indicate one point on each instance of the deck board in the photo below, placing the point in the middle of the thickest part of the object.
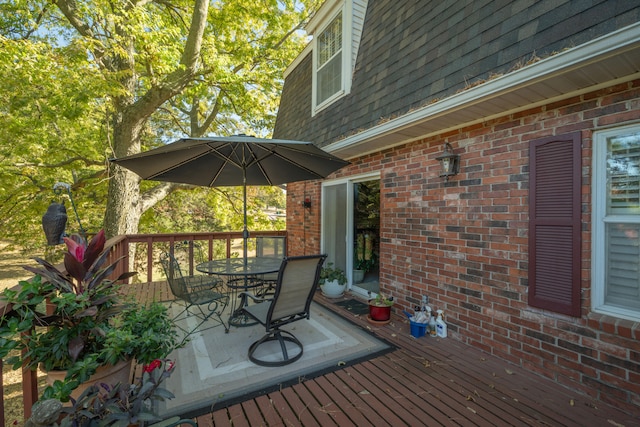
(237, 416)
(286, 414)
(345, 399)
(253, 412)
(462, 395)
(313, 402)
(424, 381)
(299, 406)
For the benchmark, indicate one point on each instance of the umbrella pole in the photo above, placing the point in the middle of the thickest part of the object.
(245, 231)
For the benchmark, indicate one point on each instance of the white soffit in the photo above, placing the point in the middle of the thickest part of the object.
(605, 61)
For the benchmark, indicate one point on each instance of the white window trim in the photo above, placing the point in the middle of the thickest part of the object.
(599, 220)
(347, 17)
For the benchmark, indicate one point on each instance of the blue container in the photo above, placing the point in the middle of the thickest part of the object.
(418, 329)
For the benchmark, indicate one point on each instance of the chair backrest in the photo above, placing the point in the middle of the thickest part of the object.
(297, 282)
(172, 270)
(271, 246)
(189, 253)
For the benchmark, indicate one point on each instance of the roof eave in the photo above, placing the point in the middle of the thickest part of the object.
(603, 62)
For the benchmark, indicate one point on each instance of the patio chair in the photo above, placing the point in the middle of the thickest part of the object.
(189, 253)
(270, 247)
(297, 282)
(195, 293)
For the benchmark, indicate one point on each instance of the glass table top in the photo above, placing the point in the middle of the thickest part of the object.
(238, 266)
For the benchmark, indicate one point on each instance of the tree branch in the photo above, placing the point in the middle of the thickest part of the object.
(87, 162)
(176, 81)
(151, 197)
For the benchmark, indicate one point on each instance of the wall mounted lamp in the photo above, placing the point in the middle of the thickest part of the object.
(449, 161)
(307, 203)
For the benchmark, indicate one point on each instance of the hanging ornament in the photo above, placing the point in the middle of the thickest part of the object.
(54, 222)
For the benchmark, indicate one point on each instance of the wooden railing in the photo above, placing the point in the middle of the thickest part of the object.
(214, 245)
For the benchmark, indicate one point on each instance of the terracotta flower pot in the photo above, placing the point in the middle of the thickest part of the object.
(110, 374)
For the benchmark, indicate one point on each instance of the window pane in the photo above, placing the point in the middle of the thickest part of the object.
(623, 174)
(329, 67)
(334, 221)
(330, 79)
(330, 41)
(622, 265)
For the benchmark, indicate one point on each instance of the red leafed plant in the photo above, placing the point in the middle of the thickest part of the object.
(87, 324)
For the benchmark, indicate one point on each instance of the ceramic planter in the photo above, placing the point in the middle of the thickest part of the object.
(358, 276)
(331, 289)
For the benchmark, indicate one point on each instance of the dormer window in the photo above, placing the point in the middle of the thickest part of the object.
(329, 61)
(336, 29)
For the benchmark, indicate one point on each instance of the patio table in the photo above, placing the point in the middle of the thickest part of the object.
(240, 277)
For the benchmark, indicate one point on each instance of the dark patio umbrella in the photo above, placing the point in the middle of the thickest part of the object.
(233, 161)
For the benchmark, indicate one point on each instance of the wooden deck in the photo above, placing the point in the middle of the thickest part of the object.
(426, 381)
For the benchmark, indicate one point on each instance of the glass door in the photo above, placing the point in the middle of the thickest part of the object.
(351, 231)
(335, 225)
(366, 236)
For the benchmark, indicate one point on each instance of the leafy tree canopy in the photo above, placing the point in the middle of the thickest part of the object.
(88, 80)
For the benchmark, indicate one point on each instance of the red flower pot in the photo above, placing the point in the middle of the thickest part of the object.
(380, 313)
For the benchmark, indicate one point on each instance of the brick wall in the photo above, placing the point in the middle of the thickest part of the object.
(303, 224)
(464, 243)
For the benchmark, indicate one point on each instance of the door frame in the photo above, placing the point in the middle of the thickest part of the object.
(349, 242)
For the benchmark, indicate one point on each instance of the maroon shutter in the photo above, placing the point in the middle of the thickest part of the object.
(554, 224)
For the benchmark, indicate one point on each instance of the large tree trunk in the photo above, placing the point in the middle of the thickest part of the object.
(123, 202)
(124, 211)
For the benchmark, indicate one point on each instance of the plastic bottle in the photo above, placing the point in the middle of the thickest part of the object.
(441, 327)
(432, 324)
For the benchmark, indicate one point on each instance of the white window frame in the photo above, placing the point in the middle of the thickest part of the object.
(600, 219)
(345, 65)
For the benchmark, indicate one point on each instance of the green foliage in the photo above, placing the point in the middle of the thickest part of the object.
(330, 273)
(67, 86)
(215, 209)
(46, 122)
(365, 264)
(381, 300)
(146, 333)
(120, 404)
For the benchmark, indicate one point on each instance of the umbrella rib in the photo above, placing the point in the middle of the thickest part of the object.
(258, 160)
(175, 166)
(306, 169)
(225, 158)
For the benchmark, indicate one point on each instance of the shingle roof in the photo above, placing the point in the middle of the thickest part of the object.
(414, 52)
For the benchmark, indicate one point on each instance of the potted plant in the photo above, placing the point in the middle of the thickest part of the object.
(380, 307)
(333, 281)
(121, 404)
(74, 322)
(361, 266)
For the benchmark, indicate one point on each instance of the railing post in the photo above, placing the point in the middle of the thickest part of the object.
(29, 390)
